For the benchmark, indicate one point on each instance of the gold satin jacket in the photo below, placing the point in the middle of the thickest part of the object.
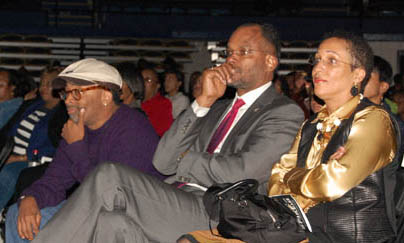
(371, 145)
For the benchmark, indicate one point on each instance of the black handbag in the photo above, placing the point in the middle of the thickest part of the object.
(244, 214)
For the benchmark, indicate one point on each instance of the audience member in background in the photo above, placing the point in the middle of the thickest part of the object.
(400, 116)
(300, 81)
(290, 81)
(12, 91)
(174, 86)
(400, 111)
(378, 85)
(277, 83)
(315, 104)
(396, 86)
(132, 86)
(281, 85)
(24, 75)
(157, 108)
(299, 93)
(99, 129)
(36, 132)
(195, 88)
(379, 82)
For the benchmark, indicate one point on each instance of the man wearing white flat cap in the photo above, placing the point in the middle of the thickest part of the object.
(99, 129)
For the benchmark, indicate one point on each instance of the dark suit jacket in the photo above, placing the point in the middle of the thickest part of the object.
(260, 137)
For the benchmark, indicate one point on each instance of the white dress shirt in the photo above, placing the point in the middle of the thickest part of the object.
(249, 98)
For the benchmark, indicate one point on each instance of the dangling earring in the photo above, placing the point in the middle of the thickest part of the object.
(355, 90)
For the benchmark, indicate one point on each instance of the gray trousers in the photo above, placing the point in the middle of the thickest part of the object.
(116, 203)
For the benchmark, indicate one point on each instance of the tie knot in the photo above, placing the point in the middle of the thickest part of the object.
(239, 103)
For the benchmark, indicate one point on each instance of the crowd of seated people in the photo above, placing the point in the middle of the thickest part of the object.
(139, 152)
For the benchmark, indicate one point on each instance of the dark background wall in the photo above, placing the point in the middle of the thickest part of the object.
(208, 19)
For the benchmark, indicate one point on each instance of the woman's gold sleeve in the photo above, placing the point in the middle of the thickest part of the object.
(370, 146)
(286, 163)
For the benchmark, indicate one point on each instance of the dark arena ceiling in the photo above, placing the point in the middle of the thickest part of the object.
(221, 7)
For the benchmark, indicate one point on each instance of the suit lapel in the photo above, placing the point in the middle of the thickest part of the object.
(251, 114)
(212, 122)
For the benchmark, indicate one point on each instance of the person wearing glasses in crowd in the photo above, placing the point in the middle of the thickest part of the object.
(212, 141)
(99, 129)
(157, 107)
(341, 167)
(345, 176)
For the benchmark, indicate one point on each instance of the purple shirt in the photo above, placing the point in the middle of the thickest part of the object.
(127, 138)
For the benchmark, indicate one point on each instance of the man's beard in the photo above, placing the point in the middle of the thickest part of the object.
(75, 116)
(239, 84)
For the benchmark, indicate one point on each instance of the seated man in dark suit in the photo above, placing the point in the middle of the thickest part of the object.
(210, 142)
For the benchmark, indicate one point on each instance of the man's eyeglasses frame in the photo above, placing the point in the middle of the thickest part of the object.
(77, 93)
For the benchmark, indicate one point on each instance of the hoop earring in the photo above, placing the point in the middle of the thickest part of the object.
(355, 90)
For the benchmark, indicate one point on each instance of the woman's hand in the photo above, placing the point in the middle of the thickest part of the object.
(338, 154)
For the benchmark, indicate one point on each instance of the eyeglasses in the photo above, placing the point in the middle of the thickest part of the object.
(241, 53)
(148, 80)
(329, 61)
(76, 93)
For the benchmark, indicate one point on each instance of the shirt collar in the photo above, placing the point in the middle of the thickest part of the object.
(250, 97)
(341, 113)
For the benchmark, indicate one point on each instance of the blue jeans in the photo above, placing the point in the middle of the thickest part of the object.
(11, 221)
(8, 178)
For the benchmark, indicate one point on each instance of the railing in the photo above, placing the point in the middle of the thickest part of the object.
(17, 51)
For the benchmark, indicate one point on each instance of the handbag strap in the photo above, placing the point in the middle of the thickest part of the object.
(6, 149)
(242, 187)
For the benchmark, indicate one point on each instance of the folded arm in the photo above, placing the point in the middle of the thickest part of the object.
(370, 146)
